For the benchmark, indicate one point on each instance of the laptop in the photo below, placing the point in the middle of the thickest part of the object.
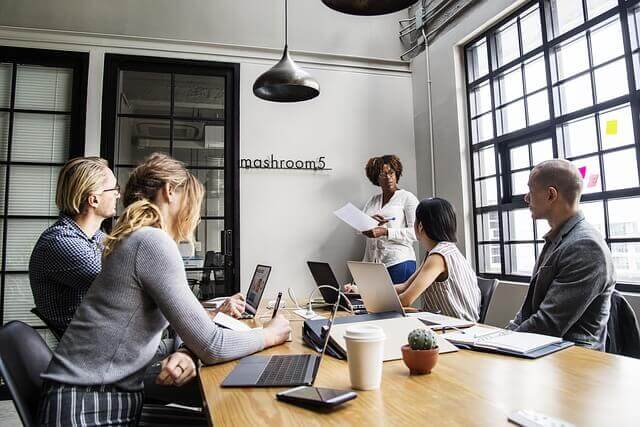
(279, 370)
(256, 289)
(375, 287)
(323, 275)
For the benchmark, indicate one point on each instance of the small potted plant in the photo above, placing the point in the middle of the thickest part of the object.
(421, 354)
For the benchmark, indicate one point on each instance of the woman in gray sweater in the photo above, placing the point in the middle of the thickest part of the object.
(95, 377)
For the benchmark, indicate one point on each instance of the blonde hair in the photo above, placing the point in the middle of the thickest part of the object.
(145, 181)
(78, 178)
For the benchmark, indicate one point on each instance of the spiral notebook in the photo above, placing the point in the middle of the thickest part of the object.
(523, 344)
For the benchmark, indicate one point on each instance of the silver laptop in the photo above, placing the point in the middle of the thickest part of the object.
(375, 287)
(280, 370)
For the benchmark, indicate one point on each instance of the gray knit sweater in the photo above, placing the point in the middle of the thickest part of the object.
(117, 328)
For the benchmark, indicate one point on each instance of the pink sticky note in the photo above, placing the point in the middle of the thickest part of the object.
(593, 180)
(583, 171)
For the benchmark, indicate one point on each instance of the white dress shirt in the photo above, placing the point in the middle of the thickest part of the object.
(397, 246)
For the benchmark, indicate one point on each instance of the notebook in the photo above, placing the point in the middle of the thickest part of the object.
(502, 339)
(396, 331)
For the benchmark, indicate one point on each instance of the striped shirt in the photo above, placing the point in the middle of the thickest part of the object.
(458, 295)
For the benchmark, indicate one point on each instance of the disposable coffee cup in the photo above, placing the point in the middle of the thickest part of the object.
(365, 354)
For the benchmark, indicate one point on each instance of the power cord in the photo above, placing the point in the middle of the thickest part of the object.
(310, 311)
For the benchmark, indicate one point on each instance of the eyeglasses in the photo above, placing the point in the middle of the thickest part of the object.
(116, 189)
(387, 174)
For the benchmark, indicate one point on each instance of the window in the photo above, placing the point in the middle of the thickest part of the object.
(556, 79)
(187, 109)
(42, 122)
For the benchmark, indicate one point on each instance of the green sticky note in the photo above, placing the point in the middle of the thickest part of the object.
(612, 127)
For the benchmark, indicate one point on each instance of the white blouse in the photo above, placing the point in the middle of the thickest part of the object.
(397, 246)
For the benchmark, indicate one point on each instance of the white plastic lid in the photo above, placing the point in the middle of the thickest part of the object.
(365, 333)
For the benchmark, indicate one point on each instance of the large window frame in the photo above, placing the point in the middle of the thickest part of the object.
(114, 64)
(79, 63)
(493, 189)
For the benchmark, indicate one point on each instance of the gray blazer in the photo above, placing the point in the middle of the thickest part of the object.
(570, 291)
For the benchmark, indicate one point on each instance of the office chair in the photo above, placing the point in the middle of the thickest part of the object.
(623, 334)
(213, 263)
(23, 357)
(54, 331)
(487, 287)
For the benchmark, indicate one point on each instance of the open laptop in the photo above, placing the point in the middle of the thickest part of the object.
(279, 370)
(375, 287)
(323, 275)
(256, 289)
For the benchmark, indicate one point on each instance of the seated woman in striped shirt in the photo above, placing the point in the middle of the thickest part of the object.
(445, 282)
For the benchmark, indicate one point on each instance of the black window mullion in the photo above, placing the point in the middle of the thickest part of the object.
(172, 112)
(496, 154)
(474, 203)
(12, 103)
(634, 104)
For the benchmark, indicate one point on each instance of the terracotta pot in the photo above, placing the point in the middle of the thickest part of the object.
(419, 361)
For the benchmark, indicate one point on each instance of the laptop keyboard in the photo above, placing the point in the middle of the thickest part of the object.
(285, 370)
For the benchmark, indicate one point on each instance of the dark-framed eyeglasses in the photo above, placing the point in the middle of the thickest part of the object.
(390, 173)
(116, 189)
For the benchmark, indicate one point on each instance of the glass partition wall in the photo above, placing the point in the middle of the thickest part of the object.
(42, 125)
(186, 109)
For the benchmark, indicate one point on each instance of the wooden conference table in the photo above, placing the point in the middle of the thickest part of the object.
(466, 388)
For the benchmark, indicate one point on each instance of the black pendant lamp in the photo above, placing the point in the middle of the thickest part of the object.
(285, 81)
(368, 7)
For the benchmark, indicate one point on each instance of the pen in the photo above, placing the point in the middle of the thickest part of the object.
(276, 305)
(391, 218)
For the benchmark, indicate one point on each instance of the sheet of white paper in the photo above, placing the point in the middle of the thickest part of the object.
(356, 218)
(230, 323)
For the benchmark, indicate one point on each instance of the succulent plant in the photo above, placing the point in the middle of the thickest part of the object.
(422, 339)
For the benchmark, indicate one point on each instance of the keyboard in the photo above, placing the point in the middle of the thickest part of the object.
(285, 370)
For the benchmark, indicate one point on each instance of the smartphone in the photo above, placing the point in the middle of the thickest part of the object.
(316, 396)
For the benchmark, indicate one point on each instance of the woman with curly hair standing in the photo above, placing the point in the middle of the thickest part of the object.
(391, 242)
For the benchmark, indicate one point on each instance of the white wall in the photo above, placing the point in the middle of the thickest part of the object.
(313, 27)
(365, 109)
(286, 216)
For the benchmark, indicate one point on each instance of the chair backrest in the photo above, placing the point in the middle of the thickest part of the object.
(53, 330)
(623, 333)
(23, 357)
(487, 286)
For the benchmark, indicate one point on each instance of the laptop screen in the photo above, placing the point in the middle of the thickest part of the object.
(323, 275)
(258, 283)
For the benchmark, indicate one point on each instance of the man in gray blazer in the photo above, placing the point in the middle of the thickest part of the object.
(570, 291)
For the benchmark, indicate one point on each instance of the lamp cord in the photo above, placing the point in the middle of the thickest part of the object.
(286, 24)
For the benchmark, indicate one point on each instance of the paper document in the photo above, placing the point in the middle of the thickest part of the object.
(439, 321)
(213, 303)
(356, 218)
(229, 322)
(396, 331)
(502, 339)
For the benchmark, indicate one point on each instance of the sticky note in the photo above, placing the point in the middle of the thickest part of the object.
(583, 171)
(611, 127)
(593, 180)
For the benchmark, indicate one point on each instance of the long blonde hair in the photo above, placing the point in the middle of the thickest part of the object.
(145, 181)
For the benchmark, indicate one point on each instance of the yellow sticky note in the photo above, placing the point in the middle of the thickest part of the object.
(612, 127)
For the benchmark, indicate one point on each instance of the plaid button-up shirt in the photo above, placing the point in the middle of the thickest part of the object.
(63, 264)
